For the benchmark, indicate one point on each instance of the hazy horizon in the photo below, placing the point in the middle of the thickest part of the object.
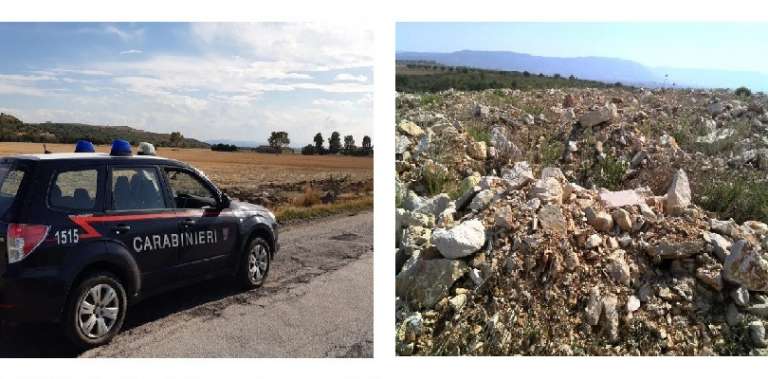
(722, 47)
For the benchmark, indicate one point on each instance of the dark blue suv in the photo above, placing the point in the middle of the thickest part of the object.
(86, 234)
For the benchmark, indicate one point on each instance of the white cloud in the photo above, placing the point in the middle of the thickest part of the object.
(351, 78)
(12, 89)
(131, 51)
(125, 35)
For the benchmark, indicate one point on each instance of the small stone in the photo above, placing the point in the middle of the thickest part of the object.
(600, 220)
(618, 268)
(611, 317)
(457, 302)
(481, 200)
(633, 304)
(740, 296)
(599, 116)
(594, 307)
(712, 278)
(518, 175)
(505, 218)
(548, 190)
(593, 241)
(477, 150)
(622, 218)
(410, 128)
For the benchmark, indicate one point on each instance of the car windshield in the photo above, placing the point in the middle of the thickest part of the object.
(10, 181)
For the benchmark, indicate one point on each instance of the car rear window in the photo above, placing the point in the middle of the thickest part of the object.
(10, 181)
(75, 190)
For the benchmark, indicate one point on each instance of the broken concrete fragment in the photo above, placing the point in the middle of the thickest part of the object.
(676, 250)
(551, 219)
(747, 267)
(594, 307)
(678, 194)
(461, 240)
(616, 199)
(428, 281)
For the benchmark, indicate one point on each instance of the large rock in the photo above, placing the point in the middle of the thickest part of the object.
(678, 194)
(610, 308)
(428, 281)
(433, 205)
(603, 114)
(676, 250)
(746, 267)
(461, 240)
(410, 128)
(504, 147)
(548, 190)
(623, 219)
(552, 219)
(615, 199)
(518, 175)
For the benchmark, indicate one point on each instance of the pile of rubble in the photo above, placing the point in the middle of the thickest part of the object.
(498, 254)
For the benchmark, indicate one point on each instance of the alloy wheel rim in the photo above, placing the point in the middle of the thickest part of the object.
(98, 311)
(258, 262)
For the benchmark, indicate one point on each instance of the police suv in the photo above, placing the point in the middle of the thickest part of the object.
(86, 234)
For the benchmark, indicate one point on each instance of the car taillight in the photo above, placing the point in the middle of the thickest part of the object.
(23, 239)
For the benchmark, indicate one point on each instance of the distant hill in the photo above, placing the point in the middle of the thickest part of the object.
(425, 76)
(603, 69)
(14, 130)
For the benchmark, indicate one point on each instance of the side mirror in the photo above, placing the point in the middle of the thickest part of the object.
(225, 201)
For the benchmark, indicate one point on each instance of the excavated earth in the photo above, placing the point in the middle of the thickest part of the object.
(571, 222)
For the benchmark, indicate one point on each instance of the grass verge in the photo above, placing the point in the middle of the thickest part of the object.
(295, 213)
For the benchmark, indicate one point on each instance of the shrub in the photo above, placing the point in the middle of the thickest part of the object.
(309, 198)
(479, 133)
(743, 92)
(436, 180)
(223, 147)
(608, 173)
(741, 199)
(308, 150)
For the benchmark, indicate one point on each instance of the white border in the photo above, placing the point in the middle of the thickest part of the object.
(382, 16)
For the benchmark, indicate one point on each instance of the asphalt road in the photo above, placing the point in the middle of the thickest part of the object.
(317, 302)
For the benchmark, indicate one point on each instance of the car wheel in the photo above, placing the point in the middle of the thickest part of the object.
(256, 261)
(95, 310)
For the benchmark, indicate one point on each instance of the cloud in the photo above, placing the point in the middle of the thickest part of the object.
(350, 78)
(12, 89)
(125, 35)
(131, 51)
(321, 46)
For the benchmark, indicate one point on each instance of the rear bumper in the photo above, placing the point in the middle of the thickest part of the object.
(36, 296)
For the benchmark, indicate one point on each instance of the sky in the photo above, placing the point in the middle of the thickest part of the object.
(208, 81)
(724, 46)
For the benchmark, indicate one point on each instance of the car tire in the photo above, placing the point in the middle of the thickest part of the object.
(255, 264)
(95, 310)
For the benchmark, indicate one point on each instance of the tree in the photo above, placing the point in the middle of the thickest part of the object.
(743, 92)
(319, 143)
(176, 138)
(309, 149)
(366, 142)
(278, 140)
(349, 143)
(334, 143)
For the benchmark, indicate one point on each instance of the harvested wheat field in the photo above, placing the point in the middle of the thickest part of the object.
(274, 180)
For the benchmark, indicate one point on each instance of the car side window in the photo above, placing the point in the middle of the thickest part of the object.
(136, 188)
(188, 191)
(74, 189)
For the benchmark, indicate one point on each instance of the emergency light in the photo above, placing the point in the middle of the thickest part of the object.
(84, 146)
(145, 148)
(120, 148)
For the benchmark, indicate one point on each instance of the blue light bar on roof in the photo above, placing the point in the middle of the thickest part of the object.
(120, 148)
(84, 146)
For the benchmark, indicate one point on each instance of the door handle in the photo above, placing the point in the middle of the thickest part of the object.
(122, 228)
(188, 222)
